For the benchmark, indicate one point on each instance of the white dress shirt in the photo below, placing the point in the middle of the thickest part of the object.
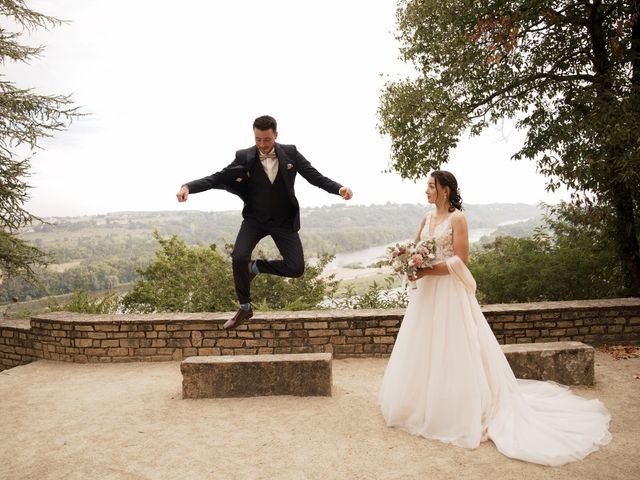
(270, 164)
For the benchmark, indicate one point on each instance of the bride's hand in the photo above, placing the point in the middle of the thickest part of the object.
(421, 273)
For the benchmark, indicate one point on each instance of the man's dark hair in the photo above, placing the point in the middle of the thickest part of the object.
(265, 123)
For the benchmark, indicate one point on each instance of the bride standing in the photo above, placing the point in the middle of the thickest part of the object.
(447, 377)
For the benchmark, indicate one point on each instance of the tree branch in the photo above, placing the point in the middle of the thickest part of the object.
(529, 79)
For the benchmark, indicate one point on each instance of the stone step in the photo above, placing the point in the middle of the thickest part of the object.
(568, 363)
(302, 374)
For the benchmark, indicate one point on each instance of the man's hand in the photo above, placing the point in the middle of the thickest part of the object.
(346, 193)
(183, 194)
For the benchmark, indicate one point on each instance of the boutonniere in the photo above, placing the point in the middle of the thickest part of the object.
(289, 166)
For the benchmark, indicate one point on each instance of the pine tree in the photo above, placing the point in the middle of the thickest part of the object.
(25, 119)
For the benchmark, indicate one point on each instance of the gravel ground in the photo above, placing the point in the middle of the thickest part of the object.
(129, 421)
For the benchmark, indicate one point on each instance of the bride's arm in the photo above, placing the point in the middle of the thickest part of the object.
(438, 269)
(460, 247)
(460, 237)
(422, 222)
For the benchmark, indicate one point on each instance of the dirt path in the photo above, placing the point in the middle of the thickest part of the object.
(128, 421)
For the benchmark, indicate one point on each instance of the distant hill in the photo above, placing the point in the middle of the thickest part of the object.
(331, 229)
(516, 229)
(103, 252)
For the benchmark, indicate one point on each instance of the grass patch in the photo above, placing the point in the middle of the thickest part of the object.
(361, 285)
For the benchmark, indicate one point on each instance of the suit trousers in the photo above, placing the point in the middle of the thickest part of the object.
(251, 232)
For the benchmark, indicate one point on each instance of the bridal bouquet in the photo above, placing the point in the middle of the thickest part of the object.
(408, 257)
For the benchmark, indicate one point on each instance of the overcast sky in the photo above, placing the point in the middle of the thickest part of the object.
(172, 89)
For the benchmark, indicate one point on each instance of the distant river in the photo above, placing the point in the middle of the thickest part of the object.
(369, 255)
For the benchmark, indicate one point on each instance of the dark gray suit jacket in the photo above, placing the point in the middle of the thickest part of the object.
(235, 177)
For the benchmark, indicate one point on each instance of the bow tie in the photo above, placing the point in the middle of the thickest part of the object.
(265, 156)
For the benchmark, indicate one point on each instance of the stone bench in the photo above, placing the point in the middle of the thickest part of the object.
(568, 363)
(303, 374)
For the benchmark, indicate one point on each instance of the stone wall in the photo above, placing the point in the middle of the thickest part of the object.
(594, 322)
(16, 344)
(83, 338)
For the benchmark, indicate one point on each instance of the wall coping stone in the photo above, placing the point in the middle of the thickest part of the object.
(302, 315)
(18, 323)
(327, 315)
(631, 302)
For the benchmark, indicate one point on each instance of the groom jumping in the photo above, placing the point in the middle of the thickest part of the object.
(263, 177)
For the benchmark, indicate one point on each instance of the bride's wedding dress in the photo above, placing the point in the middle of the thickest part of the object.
(447, 378)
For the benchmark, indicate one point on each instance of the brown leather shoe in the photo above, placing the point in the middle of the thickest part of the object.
(240, 316)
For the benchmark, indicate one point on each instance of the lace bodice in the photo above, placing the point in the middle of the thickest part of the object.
(443, 234)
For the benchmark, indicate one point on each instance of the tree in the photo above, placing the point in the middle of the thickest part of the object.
(81, 301)
(575, 260)
(303, 293)
(568, 71)
(25, 118)
(185, 278)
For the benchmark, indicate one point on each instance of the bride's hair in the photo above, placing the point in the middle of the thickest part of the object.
(446, 179)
